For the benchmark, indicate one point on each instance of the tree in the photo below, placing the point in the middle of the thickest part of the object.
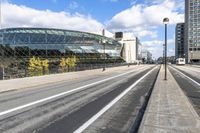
(69, 62)
(37, 66)
(63, 64)
(45, 66)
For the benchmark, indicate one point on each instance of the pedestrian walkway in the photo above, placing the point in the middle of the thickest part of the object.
(169, 110)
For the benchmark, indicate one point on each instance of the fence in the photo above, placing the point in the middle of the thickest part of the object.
(11, 73)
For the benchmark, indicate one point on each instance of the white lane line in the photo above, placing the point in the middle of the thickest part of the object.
(194, 66)
(63, 93)
(184, 67)
(109, 105)
(186, 76)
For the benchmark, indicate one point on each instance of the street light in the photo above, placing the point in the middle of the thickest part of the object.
(166, 21)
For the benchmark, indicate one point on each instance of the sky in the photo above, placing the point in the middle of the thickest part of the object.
(141, 18)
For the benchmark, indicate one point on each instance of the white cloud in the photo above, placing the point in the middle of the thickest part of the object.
(145, 20)
(152, 34)
(171, 52)
(156, 47)
(145, 17)
(22, 16)
(73, 5)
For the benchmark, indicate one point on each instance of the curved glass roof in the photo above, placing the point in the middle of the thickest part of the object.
(61, 41)
(58, 33)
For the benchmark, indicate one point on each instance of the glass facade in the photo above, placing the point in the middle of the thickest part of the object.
(18, 45)
(26, 42)
(180, 40)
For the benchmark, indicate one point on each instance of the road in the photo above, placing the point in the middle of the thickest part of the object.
(104, 102)
(188, 78)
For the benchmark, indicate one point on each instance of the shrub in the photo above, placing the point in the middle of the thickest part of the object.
(37, 66)
(69, 62)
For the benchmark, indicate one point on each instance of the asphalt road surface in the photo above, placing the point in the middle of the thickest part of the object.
(109, 103)
(188, 78)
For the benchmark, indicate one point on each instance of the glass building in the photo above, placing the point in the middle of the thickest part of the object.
(18, 45)
(179, 47)
(26, 42)
(192, 30)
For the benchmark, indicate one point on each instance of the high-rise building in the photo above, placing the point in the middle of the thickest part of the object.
(179, 50)
(192, 30)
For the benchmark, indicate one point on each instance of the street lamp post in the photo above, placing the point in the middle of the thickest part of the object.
(166, 21)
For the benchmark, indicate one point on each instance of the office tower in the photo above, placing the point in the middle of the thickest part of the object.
(192, 31)
(179, 50)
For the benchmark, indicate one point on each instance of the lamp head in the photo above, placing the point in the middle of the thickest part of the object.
(166, 20)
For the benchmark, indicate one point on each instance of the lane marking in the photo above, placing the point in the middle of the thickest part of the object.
(194, 66)
(184, 67)
(109, 105)
(64, 93)
(186, 76)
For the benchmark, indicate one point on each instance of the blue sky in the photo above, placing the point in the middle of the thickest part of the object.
(142, 18)
(100, 9)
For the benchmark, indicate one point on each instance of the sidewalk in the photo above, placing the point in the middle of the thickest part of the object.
(169, 110)
(28, 82)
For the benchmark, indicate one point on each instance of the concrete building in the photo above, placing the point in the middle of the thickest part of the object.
(179, 47)
(140, 47)
(192, 31)
(146, 56)
(131, 44)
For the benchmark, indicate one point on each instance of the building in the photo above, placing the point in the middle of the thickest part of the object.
(18, 45)
(192, 31)
(44, 42)
(179, 42)
(146, 56)
(139, 50)
(131, 44)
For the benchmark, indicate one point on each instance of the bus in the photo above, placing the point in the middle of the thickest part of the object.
(180, 61)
